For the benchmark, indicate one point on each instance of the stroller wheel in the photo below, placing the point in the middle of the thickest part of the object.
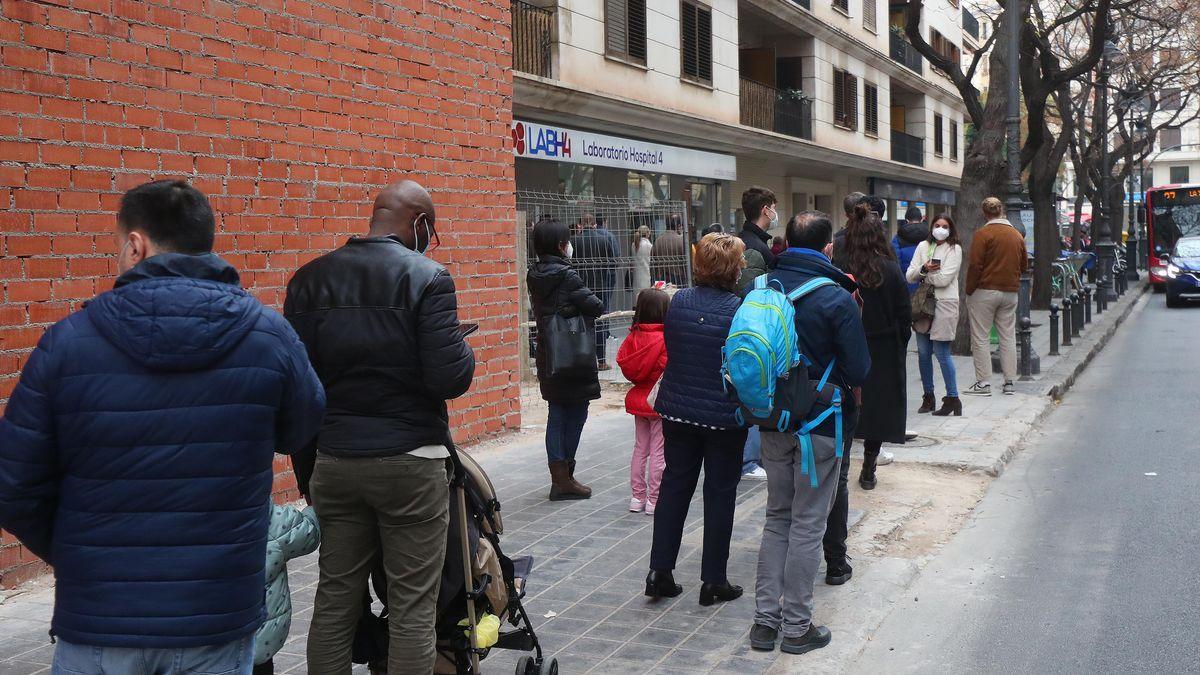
(549, 667)
(525, 666)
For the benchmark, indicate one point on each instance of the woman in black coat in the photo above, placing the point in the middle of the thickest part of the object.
(556, 288)
(887, 319)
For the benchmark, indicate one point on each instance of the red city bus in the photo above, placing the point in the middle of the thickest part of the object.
(1172, 212)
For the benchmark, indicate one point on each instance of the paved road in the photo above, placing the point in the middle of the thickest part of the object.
(1085, 555)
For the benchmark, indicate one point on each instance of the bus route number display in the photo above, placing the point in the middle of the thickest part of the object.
(1182, 196)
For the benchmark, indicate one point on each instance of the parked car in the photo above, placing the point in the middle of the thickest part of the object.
(1183, 272)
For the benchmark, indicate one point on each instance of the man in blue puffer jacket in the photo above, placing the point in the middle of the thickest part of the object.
(136, 451)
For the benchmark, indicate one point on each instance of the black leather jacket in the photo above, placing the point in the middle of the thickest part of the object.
(381, 326)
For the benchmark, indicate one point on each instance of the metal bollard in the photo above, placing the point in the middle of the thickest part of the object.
(1102, 298)
(1077, 304)
(1025, 337)
(1067, 315)
(1053, 330)
(1087, 305)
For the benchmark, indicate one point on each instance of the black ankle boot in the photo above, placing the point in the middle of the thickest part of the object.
(662, 585)
(928, 403)
(866, 479)
(712, 593)
(951, 405)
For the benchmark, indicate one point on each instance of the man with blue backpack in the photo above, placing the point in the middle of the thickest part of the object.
(811, 364)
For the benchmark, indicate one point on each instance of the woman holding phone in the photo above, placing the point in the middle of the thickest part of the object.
(937, 262)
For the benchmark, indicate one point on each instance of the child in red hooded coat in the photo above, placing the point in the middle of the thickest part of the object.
(642, 359)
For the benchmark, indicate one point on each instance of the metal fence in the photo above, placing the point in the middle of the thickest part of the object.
(532, 31)
(607, 236)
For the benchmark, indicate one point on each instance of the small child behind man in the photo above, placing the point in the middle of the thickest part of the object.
(292, 533)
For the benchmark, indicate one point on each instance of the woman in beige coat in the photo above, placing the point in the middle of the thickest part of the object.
(937, 262)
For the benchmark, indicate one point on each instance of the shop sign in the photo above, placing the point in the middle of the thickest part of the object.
(542, 141)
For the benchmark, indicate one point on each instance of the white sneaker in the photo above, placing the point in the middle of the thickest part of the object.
(979, 389)
(758, 473)
(649, 508)
(636, 505)
(885, 458)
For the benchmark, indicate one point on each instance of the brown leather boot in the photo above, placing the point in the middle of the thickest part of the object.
(951, 405)
(562, 486)
(928, 403)
(576, 484)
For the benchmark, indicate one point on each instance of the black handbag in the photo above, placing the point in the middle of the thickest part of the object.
(570, 345)
(924, 299)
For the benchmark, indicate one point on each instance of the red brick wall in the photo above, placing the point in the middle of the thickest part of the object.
(289, 115)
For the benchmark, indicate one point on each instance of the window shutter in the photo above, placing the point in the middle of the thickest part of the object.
(954, 141)
(871, 101)
(687, 39)
(616, 20)
(851, 101)
(843, 5)
(704, 43)
(869, 15)
(938, 143)
(637, 29)
(839, 98)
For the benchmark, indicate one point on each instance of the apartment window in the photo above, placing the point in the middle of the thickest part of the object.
(1170, 137)
(939, 144)
(954, 141)
(842, 6)
(871, 112)
(845, 100)
(944, 47)
(1180, 174)
(625, 29)
(1171, 98)
(869, 15)
(696, 42)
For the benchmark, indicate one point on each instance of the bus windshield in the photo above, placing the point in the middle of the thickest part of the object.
(1171, 222)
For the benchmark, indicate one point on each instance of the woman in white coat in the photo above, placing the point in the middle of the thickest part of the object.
(641, 259)
(937, 262)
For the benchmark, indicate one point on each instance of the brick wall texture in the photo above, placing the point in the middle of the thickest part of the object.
(289, 114)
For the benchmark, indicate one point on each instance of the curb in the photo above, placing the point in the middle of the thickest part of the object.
(1073, 366)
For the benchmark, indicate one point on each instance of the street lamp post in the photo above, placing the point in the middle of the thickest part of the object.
(1106, 248)
(1137, 128)
(1012, 14)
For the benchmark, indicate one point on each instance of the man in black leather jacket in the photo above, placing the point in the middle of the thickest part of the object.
(380, 321)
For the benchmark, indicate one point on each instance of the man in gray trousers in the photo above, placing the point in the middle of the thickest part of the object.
(829, 326)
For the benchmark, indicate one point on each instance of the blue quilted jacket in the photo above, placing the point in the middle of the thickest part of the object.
(696, 326)
(136, 453)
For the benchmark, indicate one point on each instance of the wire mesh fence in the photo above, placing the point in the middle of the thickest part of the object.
(620, 247)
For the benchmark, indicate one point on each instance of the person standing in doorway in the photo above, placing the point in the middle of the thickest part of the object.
(909, 235)
(936, 262)
(555, 288)
(642, 248)
(596, 251)
(136, 451)
(761, 210)
(887, 319)
(380, 320)
(668, 261)
(998, 258)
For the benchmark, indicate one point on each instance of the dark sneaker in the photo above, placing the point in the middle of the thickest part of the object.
(839, 573)
(815, 638)
(1009, 388)
(762, 638)
(979, 389)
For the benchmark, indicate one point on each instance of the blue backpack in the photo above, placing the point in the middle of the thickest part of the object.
(764, 371)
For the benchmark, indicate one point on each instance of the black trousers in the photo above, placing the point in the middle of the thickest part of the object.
(687, 449)
(834, 542)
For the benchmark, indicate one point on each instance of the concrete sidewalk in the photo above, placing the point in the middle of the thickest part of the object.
(585, 593)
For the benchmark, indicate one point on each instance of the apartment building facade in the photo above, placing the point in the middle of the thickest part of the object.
(695, 100)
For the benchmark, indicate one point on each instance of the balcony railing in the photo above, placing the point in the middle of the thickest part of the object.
(908, 149)
(532, 30)
(905, 54)
(970, 23)
(783, 111)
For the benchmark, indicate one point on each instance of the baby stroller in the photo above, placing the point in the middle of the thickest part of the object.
(494, 586)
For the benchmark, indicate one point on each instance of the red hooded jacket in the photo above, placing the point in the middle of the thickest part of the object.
(642, 358)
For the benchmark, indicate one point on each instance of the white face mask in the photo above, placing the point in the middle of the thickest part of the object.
(774, 217)
(569, 251)
(941, 233)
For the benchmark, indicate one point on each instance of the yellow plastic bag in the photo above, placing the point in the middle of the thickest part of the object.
(487, 630)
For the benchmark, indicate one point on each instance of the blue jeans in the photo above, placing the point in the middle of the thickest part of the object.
(230, 658)
(926, 350)
(564, 426)
(752, 453)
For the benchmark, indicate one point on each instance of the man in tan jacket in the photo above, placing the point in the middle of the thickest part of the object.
(998, 258)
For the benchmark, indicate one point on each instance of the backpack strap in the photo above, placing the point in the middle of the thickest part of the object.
(760, 282)
(808, 287)
(828, 372)
(808, 461)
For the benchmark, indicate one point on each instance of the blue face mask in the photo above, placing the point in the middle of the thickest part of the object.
(430, 237)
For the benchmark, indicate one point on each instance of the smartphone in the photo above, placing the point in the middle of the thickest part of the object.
(467, 328)
(935, 261)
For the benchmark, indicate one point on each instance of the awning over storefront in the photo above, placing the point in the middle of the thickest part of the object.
(910, 192)
(533, 140)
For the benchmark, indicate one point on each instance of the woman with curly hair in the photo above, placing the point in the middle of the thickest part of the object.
(887, 319)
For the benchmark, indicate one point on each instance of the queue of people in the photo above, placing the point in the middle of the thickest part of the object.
(859, 326)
